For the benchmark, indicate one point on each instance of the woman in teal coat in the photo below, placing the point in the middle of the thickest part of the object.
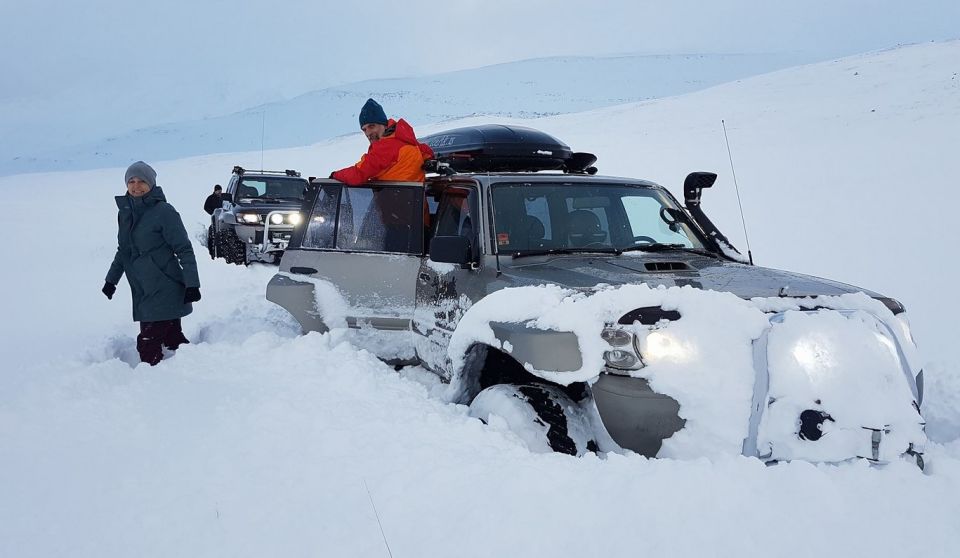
(154, 252)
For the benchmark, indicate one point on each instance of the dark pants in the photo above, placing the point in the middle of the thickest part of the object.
(154, 336)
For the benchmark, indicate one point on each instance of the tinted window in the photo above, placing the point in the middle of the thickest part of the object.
(323, 218)
(383, 219)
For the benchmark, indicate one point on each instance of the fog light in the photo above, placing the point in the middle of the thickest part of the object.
(276, 219)
(624, 360)
(293, 218)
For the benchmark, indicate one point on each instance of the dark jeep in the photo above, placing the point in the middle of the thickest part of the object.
(259, 213)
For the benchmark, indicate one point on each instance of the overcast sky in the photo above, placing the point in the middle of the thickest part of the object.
(207, 57)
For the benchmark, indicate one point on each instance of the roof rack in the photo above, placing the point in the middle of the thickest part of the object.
(237, 169)
(502, 148)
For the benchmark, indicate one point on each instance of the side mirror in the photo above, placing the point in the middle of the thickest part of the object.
(226, 197)
(450, 249)
(694, 184)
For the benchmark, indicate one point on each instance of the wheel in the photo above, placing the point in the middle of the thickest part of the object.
(232, 248)
(543, 417)
(212, 242)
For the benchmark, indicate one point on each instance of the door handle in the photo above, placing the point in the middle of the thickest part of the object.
(303, 270)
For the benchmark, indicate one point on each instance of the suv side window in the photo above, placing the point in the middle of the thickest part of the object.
(323, 219)
(457, 215)
(381, 219)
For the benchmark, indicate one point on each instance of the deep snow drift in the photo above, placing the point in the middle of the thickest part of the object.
(257, 441)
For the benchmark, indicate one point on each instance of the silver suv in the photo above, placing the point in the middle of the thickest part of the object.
(404, 264)
(259, 212)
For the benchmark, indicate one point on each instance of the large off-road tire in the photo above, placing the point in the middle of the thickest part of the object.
(542, 416)
(212, 242)
(232, 248)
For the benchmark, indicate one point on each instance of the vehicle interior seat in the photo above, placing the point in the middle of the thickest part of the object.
(531, 231)
(583, 228)
(244, 191)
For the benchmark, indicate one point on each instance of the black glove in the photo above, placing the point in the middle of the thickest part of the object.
(192, 294)
(108, 289)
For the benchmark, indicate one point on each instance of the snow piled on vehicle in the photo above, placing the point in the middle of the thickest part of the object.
(706, 361)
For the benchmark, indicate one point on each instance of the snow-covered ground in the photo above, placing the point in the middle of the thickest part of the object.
(255, 440)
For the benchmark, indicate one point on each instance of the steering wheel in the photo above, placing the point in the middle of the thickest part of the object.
(646, 239)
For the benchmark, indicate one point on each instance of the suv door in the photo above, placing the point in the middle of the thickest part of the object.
(446, 291)
(353, 261)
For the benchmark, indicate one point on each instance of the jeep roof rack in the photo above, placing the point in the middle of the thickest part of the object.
(502, 148)
(237, 169)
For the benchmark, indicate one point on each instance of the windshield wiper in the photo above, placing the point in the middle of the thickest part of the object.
(566, 251)
(664, 247)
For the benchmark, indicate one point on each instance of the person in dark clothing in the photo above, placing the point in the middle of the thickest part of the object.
(154, 252)
(214, 200)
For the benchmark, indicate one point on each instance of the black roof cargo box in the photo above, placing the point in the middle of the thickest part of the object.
(498, 148)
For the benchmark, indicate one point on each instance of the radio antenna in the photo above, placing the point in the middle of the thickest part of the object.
(375, 513)
(737, 188)
(263, 127)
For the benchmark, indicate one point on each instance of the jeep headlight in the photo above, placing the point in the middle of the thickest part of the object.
(249, 218)
(294, 219)
(276, 219)
(659, 345)
(623, 351)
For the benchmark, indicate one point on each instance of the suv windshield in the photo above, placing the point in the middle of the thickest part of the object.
(547, 217)
(264, 187)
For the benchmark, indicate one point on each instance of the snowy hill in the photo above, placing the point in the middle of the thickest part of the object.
(525, 89)
(257, 441)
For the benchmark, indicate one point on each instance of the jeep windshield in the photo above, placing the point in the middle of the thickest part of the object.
(564, 218)
(271, 188)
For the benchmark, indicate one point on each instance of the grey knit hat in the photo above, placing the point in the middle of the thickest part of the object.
(142, 171)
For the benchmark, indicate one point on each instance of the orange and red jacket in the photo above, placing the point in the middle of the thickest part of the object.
(397, 156)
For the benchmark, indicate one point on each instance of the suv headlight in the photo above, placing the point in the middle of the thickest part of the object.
(623, 353)
(249, 218)
(276, 219)
(294, 219)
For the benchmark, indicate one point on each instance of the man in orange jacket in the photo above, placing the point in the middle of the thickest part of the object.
(394, 153)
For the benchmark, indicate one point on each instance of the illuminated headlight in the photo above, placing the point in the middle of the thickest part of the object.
(660, 345)
(276, 219)
(294, 218)
(623, 355)
(249, 218)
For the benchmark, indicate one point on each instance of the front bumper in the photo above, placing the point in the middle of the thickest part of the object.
(818, 415)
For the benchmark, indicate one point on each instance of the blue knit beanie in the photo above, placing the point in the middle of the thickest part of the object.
(142, 171)
(372, 113)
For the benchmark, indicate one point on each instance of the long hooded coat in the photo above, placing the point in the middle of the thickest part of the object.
(154, 252)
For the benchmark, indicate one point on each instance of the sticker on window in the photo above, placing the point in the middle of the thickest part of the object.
(503, 239)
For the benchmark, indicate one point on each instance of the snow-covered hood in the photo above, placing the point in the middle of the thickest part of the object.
(745, 281)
